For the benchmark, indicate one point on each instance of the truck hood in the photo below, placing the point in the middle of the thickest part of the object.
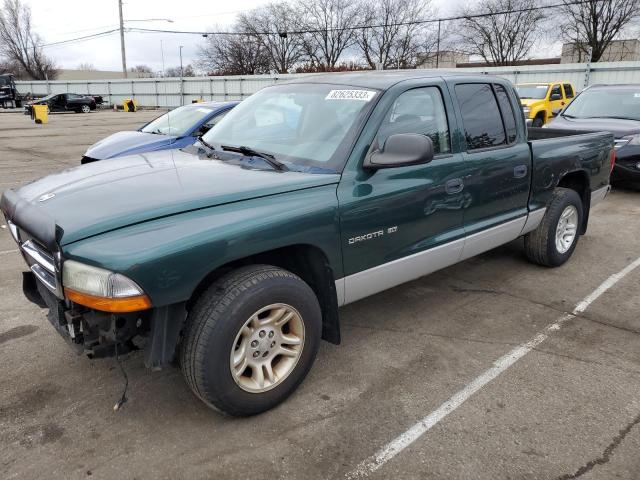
(101, 196)
(618, 127)
(125, 143)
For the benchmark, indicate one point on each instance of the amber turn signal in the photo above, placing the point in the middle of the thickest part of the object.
(112, 305)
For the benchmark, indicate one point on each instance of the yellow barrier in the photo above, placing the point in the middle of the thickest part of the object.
(130, 105)
(40, 113)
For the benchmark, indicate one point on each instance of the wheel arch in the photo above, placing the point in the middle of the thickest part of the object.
(308, 262)
(578, 180)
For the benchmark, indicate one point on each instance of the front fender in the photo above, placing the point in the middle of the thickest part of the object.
(169, 257)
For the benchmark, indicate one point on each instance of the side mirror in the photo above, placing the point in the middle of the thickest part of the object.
(401, 149)
(555, 96)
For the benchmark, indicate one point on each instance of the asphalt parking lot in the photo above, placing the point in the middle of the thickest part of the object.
(569, 408)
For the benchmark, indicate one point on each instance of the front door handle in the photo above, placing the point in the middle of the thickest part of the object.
(454, 186)
(520, 171)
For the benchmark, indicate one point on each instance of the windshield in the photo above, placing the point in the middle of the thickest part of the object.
(615, 103)
(4, 81)
(302, 124)
(537, 92)
(177, 122)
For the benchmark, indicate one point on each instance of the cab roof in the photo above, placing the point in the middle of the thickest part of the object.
(383, 79)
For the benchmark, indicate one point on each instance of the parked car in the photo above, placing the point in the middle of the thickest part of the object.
(542, 101)
(609, 108)
(9, 96)
(234, 254)
(65, 102)
(175, 129)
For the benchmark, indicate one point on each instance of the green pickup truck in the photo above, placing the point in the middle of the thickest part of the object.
(233, 256)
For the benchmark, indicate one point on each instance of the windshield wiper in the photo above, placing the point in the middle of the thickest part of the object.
(250, 152)
(617, 117)
(205, 143)
(568, 116)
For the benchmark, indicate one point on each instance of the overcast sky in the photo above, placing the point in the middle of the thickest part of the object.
(65, 19)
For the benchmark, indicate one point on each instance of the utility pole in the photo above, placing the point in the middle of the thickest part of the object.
(181, 71)
(124, 56)
(438, 47)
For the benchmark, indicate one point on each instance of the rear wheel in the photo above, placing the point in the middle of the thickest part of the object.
(85, 109)
(251, 339)
(555, 239)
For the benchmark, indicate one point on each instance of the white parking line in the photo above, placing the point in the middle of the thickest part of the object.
(401, 442)
(4, 252)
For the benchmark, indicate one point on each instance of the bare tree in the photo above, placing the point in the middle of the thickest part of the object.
(233, 54)
(187, 71)
(393, 41)
(284, 49)
(504, 36)
(20, 45)
(594, 24)
(331, 23)
(86, 66)
(142, 71)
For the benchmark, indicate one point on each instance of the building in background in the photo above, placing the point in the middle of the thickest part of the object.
(443, 59)
(617, 51)
(77, 74)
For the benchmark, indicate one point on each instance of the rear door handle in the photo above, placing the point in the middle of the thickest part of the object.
(454, 186)
(520, 171)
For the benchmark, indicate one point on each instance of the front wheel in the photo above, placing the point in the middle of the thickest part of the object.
(251, 339)
(555, 239)
(538, 121)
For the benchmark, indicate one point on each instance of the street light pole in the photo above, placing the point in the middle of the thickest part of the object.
(181, 79)
(122, 49)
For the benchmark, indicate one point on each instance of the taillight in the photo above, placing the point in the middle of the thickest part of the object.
(613, 158)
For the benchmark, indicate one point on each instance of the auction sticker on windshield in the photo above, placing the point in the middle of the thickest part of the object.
(364, 95)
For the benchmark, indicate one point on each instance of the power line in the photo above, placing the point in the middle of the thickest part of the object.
(365, 27)
(306, 31)
(83, 38)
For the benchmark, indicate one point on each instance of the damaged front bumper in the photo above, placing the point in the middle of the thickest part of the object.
(93, 332)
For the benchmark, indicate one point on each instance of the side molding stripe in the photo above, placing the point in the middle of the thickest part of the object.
(368, 282)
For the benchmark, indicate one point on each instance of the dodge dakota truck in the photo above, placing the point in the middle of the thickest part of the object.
(232, 256)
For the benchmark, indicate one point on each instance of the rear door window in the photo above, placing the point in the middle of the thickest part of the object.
(568, 90)
(481, 118)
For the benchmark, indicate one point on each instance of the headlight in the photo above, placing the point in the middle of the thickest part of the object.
(102, 289)
(526, 111)
(14, 231)
(628, 140)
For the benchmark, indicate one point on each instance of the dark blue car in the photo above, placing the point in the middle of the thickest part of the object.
(175, 129)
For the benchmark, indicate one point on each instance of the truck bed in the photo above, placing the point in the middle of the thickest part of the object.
(555, 153)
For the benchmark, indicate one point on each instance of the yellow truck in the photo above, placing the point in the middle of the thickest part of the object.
(542, 101)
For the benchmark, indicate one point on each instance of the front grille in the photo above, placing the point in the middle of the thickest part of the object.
(40, 261)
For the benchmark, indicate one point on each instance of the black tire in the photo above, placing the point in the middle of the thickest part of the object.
(540, 244)
(538, 121)
(215, 321)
